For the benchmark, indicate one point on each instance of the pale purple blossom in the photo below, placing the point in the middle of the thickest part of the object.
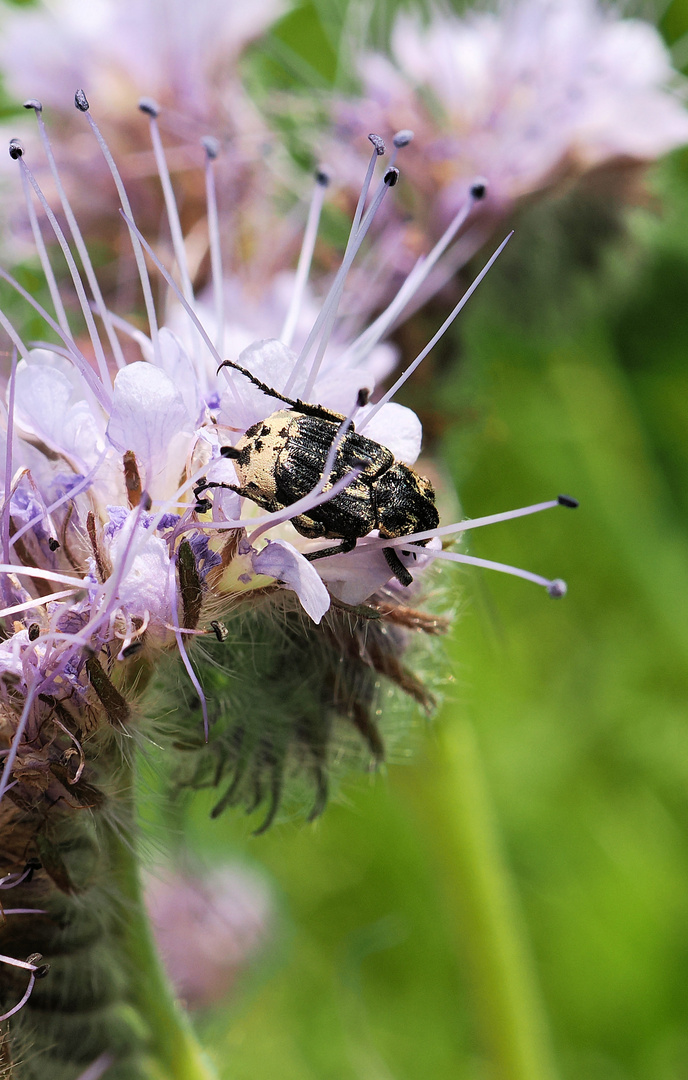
(528, 97)
(209, 927)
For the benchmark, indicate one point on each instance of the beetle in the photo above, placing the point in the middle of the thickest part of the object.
(281, 459)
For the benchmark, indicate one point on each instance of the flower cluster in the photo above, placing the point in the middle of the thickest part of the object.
(154, 487)
(532, 97)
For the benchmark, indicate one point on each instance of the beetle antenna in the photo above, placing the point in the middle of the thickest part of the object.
(417, 276)
(440, 333)
(322, 181)
(82, 104)
(212, 149)
(256, 382)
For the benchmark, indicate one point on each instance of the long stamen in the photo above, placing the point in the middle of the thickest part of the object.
(5, 525)
(75, 353)
(378, 151)
(332, 297)
(475, 523)
(39, 601)
(555, 587)
(212, 149)
(400, 140)
(74, 229)
(328, 313)
(26, 996)
(81, 103)
(69, 496)
(17, 152)
(152, 111)
(16, 739)
(44, 260)
(418, 275)
(322, 181)
(433, 341)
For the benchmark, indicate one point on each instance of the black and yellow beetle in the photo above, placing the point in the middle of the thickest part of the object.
(280, 460)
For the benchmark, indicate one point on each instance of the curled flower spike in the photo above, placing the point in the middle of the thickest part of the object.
(153, 492)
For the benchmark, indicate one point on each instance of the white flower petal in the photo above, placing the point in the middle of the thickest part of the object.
(281, 561)
(150, 418)
(395, 427)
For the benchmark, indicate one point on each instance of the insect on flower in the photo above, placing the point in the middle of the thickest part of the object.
(280, 459)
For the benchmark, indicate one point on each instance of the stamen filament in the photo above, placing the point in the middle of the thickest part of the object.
(82, 105)
(151, 109)
(74, 272)
(328, 313)
(211, 147)
(555, 587)
(5, 525)
(463, 526)
(37, 602)
(77, 236)
(43, 258)
(75, 353)
(310, 235)
(433, 341)
(377, 329)
(25, 998)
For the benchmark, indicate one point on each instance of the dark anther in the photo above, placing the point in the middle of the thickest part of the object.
(16, 149)
(378, 142)
(557, 588)
(34, 631)
(34, 958)
(42, 971)
(567, 500)
(402, 138)
(363, 397)
(146, 501)
(391, 177)
(478, 190)
(81, 101)
(210, 144)
(203, 506)
(33, 103)
(149, 106)
(220, 630)
(230, 452)
(53, 544)
(131, 650)
(323, 176)
(31, 866)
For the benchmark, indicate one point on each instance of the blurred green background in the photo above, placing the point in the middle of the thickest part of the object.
(513, 901)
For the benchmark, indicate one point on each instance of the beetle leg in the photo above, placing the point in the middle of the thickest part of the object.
(340, 549)
(397, 567)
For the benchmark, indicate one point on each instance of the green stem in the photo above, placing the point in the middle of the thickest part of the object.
(175, 1053)
(461, 827)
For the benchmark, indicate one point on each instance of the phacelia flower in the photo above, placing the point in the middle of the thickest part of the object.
(188, 58)
(209, 928)
(160, 494)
